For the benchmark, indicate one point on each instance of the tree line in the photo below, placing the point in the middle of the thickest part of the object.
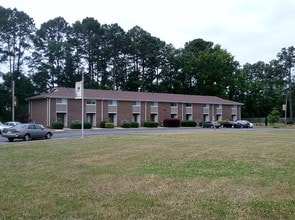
(57, 54)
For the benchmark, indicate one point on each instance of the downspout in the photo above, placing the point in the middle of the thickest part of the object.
(101, 112)
(182, 112)
(145, 106)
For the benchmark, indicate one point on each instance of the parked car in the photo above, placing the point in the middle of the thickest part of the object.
(2, 126)
(27, 132)
(210, 124)
(245, 124)
(231, 124)
(8, 124)
(12, 123)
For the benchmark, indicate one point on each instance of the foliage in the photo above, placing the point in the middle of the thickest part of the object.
(57, 125)
(126, 125)
(274, 116)
(171, 122)
(150, 124)
(109, 125)
(78, 125)
(103, 124)
(188, 123)
(134, 124)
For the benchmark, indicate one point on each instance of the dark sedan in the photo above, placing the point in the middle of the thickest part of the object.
(210, 124)
(27, 132)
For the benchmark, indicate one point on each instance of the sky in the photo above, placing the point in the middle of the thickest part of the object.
(251, 30)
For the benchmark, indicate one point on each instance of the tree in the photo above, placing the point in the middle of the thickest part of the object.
(16, 31)
(115, 54)
(51, 54)
(87, 46)
(145, 54)
(286, 59)
(274, 116)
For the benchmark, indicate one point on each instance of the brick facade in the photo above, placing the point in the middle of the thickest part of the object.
(58, 107)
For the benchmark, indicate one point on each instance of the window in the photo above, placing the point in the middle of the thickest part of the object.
(155, 104)
(136, 103)
(188, 117)
(173, 104)
(61, 101)
(188, 105)
(206, 105)
(135, 117)
(174, 116)
(112, 102)
(154, 117)
(90, 102)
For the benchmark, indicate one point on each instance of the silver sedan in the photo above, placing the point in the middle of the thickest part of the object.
(27, 132)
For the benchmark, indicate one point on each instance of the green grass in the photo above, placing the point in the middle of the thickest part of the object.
(244, 174)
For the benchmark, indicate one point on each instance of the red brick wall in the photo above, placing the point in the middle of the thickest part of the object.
(198, 112)
(38, 111)
(124, 111)
(164, 112)
(226, 112)
(74, 110)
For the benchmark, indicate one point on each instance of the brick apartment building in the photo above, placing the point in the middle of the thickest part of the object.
(60, 104)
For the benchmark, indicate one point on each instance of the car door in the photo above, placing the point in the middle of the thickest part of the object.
(32, 131)
(39, 131)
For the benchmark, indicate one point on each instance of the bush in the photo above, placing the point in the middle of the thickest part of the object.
(273, 116)
(103, 124)
(189, 123)
(78, 125)
(150, 124)
(126, 125)
(109, 125)
(171, 122)
(290, 122)
(57, 125)
(134, 124)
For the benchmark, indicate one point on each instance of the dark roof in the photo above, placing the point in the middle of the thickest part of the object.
(69, 93)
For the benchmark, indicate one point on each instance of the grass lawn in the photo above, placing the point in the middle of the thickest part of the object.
(206, 174)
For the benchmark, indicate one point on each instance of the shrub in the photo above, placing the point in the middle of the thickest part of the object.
(273, 116)
(171, 122)
(126, 125)
(189, 123)
(78, 125)
(57, 125)
(103, 124)
(134, 124)
(290, 122)
(150, 124)
(87, 125)
(109, 125)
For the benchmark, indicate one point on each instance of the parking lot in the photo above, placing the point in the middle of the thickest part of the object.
(69, 133)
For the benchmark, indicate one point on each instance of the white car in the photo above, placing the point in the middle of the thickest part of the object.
(8, 124)
(245, 124)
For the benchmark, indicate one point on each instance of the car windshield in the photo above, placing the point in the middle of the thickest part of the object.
(20, 126)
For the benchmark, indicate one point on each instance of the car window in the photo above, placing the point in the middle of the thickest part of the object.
(31, 127)
(20, 126)
(39, 127)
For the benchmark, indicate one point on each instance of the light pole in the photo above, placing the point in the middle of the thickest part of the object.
(12, 100)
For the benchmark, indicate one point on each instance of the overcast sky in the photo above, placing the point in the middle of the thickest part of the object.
(251, 30)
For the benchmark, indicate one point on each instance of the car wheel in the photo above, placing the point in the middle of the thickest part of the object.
(10, 139)
(27, 137)
(48, 136)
